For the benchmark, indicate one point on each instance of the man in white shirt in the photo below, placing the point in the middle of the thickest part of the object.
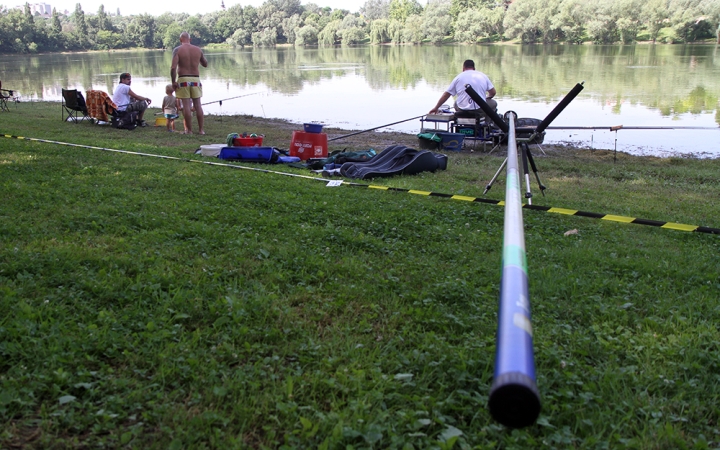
(479, 82)
(127, 100)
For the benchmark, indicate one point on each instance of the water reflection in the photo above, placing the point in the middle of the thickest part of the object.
(349, 86)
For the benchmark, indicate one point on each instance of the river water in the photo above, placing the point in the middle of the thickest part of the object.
(667, 87)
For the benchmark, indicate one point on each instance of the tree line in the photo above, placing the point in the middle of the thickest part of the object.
(378, 22)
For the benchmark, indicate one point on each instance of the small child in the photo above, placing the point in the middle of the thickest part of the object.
(170, 107)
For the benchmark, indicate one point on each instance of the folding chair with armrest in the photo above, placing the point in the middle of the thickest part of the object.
(5, 95)
(100, 106)
(73, 104)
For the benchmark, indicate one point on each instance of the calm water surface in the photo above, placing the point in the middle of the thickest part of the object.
(365, 87)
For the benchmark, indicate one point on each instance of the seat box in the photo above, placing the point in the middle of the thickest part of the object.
(451, 141)
(308, 145)
(248, 154)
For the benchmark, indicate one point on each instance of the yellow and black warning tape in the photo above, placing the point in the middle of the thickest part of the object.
(549, 209)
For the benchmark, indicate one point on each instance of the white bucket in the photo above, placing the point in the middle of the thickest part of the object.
(211, 149)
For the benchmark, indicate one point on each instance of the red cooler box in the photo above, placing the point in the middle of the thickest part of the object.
(308, 145)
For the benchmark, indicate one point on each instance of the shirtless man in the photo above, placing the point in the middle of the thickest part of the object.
(185, 66)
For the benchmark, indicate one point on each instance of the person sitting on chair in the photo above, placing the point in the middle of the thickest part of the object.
(464, 105)
(127, 100)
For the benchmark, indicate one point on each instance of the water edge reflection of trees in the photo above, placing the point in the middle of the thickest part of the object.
(671, 79)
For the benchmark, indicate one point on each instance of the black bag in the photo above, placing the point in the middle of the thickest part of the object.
(125, 120)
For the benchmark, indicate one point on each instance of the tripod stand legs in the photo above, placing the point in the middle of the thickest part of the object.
(526, 149)
(526, 157)
(489, 185)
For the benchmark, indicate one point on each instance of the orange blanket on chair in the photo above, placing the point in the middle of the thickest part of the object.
(99, 105)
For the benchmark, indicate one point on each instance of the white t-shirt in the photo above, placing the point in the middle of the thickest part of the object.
(478, 80)
(121, 97)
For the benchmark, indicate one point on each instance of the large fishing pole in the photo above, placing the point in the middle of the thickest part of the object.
(232, 98)
(514, 399)
(376, 128)
(623, 127)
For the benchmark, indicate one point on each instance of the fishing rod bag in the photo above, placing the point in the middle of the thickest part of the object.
(395, 160)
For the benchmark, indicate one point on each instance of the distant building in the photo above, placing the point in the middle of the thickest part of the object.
(38, 9)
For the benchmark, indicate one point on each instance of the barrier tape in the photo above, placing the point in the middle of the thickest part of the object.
(549, 209)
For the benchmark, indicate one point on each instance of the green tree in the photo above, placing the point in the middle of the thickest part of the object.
(475, 25)
(437, 20)
(351, 30)
(532, 21)
(229, 22)
(459, 6)
(402, 9)
(468, 27)
(376, 9)
(290, 26)
(328, 36)
(306, 35)
(628, 21)
(56, 39)
(395, 30)
(379, 31)
(688, 20)
(602, 23)
(103, 20)
(265, 38)
(171, 36)
(571, 19)
(711, 9)
(141, 30)
(81, 31)
(413, 30)
(210, 21)
(653, 15)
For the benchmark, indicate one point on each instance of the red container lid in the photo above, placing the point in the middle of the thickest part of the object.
(248, 141)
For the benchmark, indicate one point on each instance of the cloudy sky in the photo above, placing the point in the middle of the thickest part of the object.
(156, 8)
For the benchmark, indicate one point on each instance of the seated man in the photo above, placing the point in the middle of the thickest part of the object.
(464, 105)
(127, 100)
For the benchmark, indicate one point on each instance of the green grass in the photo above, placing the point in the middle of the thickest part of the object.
(150, 303)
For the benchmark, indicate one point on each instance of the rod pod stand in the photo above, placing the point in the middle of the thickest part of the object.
(526, 157)
(557, 110)
(486, 108)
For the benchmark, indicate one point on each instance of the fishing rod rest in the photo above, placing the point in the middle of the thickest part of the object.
(486, 108)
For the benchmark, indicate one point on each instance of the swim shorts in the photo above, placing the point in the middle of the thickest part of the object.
(171, 116)
(189, 87)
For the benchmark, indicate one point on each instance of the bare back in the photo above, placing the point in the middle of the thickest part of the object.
(187, 58)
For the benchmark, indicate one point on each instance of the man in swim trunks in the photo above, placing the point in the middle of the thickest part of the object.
(185, 66)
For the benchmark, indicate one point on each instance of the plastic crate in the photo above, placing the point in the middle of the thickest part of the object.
(249, 154)
(466, 130)
(451, 141)
(248, 141)
(313, 127)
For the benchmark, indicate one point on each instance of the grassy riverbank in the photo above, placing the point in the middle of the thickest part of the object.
(151, 303)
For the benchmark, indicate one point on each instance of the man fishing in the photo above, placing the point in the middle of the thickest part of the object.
(463, 103)
(186, 61)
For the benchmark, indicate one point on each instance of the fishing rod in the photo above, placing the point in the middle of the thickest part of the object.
(232, 98)
(623, 127)
(372, 129)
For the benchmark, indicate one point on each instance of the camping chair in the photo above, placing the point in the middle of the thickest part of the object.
(3, 100)
(73, 104)
(100, 106)
(4, 96)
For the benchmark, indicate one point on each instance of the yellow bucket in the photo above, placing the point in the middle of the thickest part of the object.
(160, 122)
